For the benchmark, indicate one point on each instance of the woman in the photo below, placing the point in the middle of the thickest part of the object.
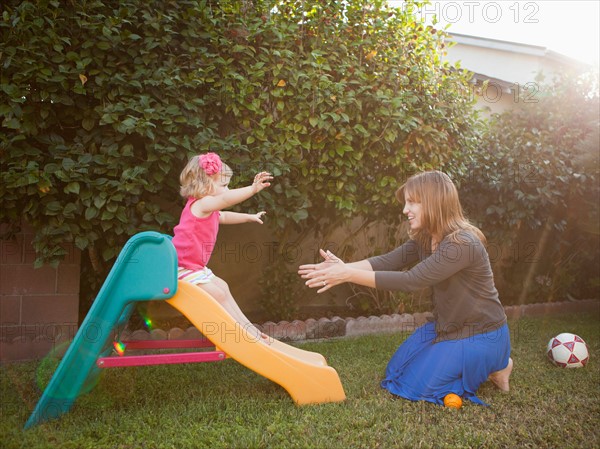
(468, 341)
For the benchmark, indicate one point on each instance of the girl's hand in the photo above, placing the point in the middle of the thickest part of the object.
(256, 218)
(329, 273)
(261, 181)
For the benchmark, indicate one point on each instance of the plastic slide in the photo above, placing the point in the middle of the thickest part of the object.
(146, 270)
(304, 376)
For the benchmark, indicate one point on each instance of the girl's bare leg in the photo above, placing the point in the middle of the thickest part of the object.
(239, 315)
(219, 290)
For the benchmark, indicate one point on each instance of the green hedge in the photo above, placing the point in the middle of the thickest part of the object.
(533, 187)
(103, 101)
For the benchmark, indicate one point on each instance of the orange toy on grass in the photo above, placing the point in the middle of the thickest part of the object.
(453, 401)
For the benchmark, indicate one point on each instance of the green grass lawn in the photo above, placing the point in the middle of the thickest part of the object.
(224, 405)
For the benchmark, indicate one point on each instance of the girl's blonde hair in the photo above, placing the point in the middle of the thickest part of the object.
(194, 181)
(442, 211)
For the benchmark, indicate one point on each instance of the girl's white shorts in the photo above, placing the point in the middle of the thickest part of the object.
(202, 276)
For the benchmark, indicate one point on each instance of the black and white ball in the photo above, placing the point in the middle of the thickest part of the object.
(568, 351)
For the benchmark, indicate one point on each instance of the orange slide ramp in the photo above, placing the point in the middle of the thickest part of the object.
(303, 374)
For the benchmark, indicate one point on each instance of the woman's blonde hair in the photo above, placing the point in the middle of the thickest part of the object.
(194, 181)
(442, 212)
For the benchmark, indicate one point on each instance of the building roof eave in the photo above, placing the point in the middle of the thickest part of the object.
(517, 47)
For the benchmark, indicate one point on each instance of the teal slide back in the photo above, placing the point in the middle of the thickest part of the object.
(145, 270)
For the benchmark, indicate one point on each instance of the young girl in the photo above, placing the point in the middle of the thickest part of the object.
(468, 341)
(204, 182)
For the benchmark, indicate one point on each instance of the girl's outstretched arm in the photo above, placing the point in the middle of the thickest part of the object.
(237, 218)
(230, 198)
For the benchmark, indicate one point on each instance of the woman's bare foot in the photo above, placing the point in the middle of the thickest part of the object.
(500, 378)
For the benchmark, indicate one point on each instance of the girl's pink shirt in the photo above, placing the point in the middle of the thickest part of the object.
(195, 238)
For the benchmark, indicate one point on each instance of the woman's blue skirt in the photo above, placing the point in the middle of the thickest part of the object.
(422, 370)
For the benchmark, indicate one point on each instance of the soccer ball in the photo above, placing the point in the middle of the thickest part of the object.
(568, 351)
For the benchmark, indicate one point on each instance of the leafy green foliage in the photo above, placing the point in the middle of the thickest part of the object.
(534, 189)
(102, 103)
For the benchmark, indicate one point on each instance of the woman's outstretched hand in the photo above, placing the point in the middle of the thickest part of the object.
(329, 273)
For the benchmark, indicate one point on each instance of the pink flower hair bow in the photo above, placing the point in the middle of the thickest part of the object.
(211, 163)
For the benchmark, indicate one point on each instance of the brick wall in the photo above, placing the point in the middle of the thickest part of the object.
(38, 307)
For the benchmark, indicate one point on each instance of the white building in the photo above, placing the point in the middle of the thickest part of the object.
(510, 68)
